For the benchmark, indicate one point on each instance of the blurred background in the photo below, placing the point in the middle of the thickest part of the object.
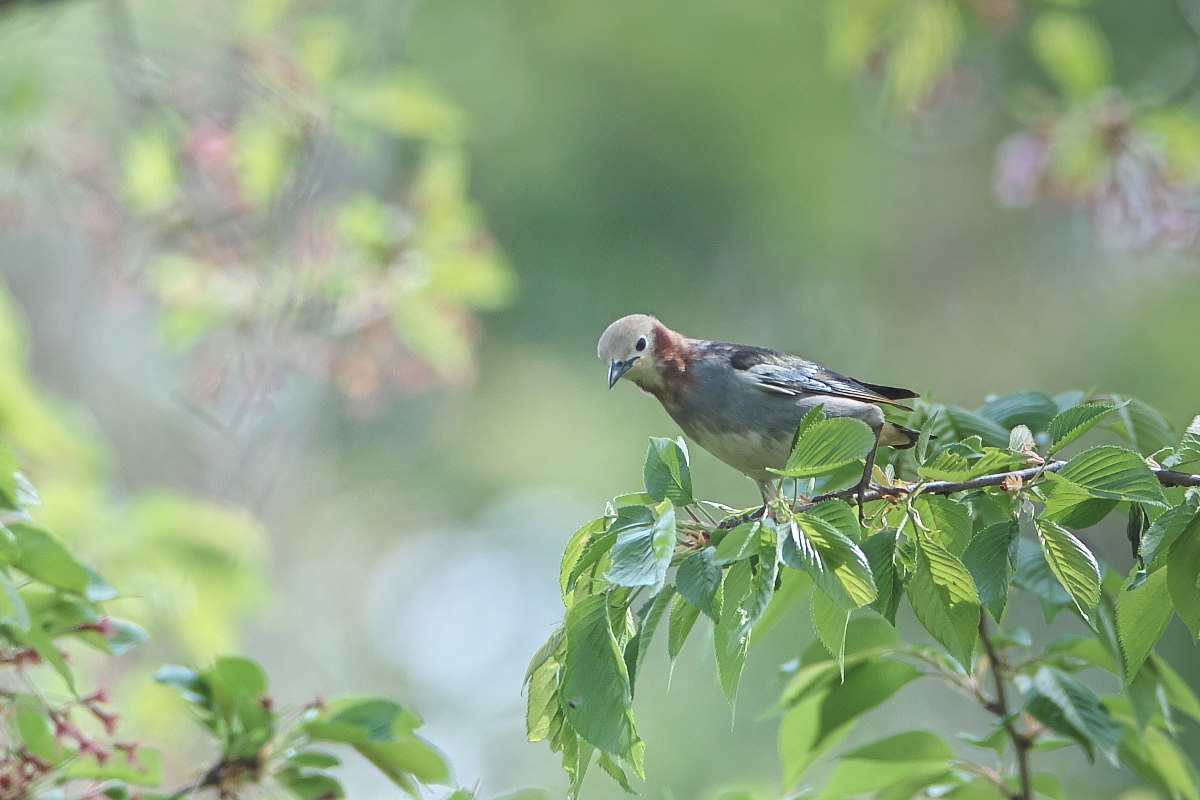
(305, 294)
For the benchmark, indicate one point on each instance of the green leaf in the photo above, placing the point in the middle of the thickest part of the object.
(1072, 563)
(1188, 449)
(408, 757)
(12, 608)
(1159, 760)
(1174, 688)
(945, 600)
(951, 424)
(10, 489)
(908, 746)
(989, 558)
(362, 721)
(948, 521)
(1063, 704)
(1069, 504)
(310, 785)
(679, 625)
(595, 691)
(1073, 51)
(579, 542)
(667, 474)
(739, 543)
(1114, 473)
(841, 515)
(649, 617)
(880, 550)
(145, 770)
(958, 462)
(1140, 424)
(1183, 577)
(642, 551)
(1142, 617)
(835, 563)
(1170, 525)
(830, 621)
(1068, 426)
(822, 718)
(613, 769)
(31, 726)
(313, 759)
(827, 445)
(730, 643)
(698, 579)
(1032, 409)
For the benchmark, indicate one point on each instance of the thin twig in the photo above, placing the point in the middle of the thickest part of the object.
(1021, 741)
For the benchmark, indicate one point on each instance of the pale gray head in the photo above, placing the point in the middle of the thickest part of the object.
(628, 347)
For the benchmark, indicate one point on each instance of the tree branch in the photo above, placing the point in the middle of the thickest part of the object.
(1165, 477)
(1021, 742)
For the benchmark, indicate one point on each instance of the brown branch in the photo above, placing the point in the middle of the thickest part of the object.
(1021, 741)
(1165, 477)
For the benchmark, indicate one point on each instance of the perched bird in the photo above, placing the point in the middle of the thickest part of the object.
(743, 403)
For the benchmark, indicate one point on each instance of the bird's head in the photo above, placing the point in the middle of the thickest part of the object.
(628, 348)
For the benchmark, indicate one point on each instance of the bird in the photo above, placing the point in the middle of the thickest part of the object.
(743, 403)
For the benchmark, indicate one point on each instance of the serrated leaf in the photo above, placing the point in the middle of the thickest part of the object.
(959, 464)
(667, 473)
(595, 691)
(989, 558)
(830, 622)
(841, 515)
(698, 579)
(650, 617)
(679, 624)
(738, 544)
(827, 445)
(1032, 409)
(1068, 426)
(1140, 424)
(1169, 526)
(642, 551)
(730, 643)
(1063, 704)
(835, 563)
(1072, 505)
(880, 549)
(952, 424)
(1183, 578)
(947, 521)
(575, 547)
(1188, 449)
(945, 600)
(1142, 617)
(1072, 563)
(1114, 473)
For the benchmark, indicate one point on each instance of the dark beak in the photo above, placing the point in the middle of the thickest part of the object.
(618, 368)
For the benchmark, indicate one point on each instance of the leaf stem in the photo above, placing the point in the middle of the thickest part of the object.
(1021, 741)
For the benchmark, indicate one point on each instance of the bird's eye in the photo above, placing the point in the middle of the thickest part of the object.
(641, 344)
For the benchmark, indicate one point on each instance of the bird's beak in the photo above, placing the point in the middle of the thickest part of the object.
(618, 368)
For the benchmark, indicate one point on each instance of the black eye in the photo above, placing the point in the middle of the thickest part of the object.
(641, 344)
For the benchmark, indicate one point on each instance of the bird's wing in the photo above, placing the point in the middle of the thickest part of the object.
(786, 374)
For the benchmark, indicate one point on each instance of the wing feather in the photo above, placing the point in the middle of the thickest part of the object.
(787, 374)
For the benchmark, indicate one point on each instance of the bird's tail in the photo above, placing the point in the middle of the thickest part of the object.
(899, 437)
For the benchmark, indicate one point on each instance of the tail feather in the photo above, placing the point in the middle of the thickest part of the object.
(899, 437)
(891, 392)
